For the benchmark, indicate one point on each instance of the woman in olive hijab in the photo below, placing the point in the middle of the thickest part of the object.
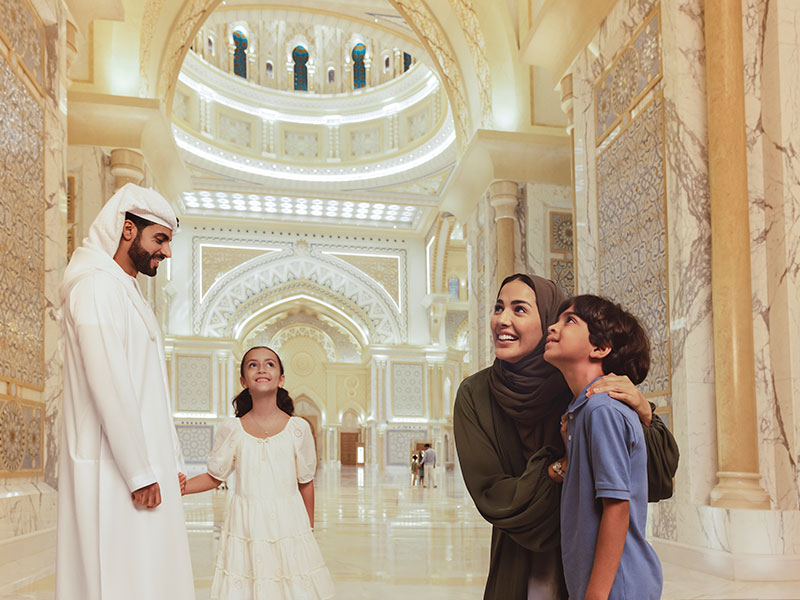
(506, 423)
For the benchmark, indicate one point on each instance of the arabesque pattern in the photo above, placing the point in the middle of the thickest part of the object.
(21, 232)
(631, 197)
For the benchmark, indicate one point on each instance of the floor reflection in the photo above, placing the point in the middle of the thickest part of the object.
(382, 538)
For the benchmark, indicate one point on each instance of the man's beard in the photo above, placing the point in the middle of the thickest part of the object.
(141, 258)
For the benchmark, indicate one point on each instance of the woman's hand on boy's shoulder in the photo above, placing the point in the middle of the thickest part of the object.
(621, 388)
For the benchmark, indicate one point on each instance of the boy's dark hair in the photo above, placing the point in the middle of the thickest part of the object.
(611, 326)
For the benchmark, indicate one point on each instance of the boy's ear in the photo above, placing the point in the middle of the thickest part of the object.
(599, 352)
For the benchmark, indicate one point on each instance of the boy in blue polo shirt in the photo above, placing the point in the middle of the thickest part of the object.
(604, 498)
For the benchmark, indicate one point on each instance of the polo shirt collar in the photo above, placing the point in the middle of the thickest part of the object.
(582, 399)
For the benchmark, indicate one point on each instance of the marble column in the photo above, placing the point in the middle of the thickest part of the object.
(127, 166)
(503, 196)
(739, 480)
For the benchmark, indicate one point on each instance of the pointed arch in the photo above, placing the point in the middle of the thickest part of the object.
(233, 301)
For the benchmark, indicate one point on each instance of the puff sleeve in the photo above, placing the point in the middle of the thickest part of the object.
(222, 460)
(304, 450)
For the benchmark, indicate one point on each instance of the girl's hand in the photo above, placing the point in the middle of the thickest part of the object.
(182, 482)
(621, 388)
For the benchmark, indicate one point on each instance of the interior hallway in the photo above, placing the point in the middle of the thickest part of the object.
(383, 539)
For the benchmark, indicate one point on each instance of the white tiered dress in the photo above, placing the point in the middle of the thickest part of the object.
(267, 549)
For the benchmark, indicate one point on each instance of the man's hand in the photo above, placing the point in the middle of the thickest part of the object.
(182, 482)
(148, 496)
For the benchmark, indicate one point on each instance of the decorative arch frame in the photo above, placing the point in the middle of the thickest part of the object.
(309, 331)
(302, 391)
(354, 407)
(261, 283)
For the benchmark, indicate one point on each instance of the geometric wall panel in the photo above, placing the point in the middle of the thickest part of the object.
(21, 437)
(632, 230)
(408, 395)
(24, 34)
(628, 79)
(561, 232)
(21, 232)
(193, 389)
(399, 443)
(196, 442)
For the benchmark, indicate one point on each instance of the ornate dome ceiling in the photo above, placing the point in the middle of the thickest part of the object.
(296, 113)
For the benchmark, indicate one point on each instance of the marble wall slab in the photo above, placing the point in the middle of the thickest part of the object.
(689, 356)
(772, 66)
(771, 62)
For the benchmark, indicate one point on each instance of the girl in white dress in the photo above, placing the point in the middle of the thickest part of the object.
(266, 549)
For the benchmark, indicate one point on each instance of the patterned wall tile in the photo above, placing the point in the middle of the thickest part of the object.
(562, 272)
(561, 232)
(196, 442)
(399, 443)
(631, 196)
(408, 392)
(24, 34)
(635, 71)
(21, 437)
(21, 231)
(193, 389)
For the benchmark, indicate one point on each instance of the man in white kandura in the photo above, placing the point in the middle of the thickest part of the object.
(121, 532)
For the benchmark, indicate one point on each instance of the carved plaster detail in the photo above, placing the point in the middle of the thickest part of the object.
(471, 27)
(239, 294)
(417, 14)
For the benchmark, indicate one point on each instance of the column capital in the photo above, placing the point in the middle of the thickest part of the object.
(127, 166)
(503, 196)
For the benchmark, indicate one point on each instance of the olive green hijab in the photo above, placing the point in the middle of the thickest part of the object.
(532, 392)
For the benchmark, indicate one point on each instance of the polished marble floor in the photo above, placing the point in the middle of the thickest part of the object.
(382, 538)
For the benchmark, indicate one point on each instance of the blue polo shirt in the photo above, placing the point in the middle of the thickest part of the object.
(607, 459)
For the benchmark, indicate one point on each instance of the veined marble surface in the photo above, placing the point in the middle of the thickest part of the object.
(771, 52)
(382, 538)
(482, 264)
(772, 66)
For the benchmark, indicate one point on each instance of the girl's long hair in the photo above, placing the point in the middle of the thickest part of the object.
(244, 402)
